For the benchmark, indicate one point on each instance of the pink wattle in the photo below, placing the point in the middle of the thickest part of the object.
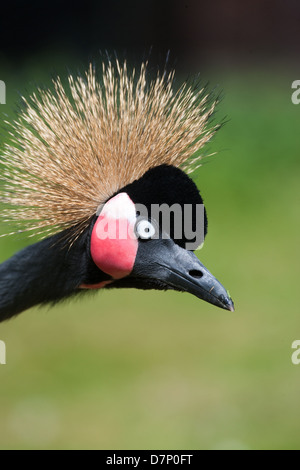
(115, 255)
(100, 285)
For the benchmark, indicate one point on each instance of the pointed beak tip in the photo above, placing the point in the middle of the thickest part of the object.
(230, 306)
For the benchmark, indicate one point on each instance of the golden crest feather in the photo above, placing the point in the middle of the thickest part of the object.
(72, 148)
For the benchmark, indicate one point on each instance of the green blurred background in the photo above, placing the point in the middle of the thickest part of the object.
(150, 370)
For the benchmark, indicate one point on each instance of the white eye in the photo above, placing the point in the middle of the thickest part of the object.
(144, 229)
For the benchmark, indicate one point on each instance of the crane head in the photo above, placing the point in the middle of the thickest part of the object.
(145, 237)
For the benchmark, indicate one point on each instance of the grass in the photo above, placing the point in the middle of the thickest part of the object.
(150, 370)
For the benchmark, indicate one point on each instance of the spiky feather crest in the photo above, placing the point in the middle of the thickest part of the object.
(72, 148)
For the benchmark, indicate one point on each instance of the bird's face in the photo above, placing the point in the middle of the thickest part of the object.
(134, 250)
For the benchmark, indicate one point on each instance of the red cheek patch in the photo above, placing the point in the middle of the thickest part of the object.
(113, 243)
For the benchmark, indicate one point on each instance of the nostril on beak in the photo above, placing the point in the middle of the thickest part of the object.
(196, 274)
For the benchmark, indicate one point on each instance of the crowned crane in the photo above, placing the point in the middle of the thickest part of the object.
(85, 157)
